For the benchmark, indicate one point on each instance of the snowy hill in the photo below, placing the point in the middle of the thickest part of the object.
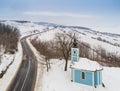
(25, 27)
(109, 41)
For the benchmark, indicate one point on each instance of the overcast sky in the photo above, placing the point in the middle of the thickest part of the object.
(101, 15)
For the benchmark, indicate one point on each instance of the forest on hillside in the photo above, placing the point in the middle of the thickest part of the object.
(9, 37)
(60, 47)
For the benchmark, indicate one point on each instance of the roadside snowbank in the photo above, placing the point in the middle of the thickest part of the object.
(7, 79)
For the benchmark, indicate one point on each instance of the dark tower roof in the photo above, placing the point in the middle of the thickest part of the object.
(75, 42)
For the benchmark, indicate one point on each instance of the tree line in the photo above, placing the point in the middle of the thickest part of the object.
(9, 37)
(60, 47)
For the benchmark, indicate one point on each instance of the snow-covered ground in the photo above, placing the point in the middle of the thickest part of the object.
(6, 59)
(8, 77)
(49, 35)
(59, 80)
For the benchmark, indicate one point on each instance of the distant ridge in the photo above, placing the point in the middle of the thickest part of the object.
(64, 26)
(19, 21)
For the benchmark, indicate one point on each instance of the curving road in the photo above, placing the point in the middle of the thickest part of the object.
(26, 76)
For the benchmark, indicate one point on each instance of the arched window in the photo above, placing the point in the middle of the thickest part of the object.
(83, 75)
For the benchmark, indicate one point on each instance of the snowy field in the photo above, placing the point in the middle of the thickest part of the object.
(59, 80)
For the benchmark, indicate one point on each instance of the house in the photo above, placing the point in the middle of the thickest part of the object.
(86, 72)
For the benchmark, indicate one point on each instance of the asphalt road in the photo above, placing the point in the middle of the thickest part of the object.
(26, 76)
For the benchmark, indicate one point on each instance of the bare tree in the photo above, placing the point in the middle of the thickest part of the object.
(64, 45)
(47, 49)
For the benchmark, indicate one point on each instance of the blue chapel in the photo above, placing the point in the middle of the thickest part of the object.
(85, 71)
